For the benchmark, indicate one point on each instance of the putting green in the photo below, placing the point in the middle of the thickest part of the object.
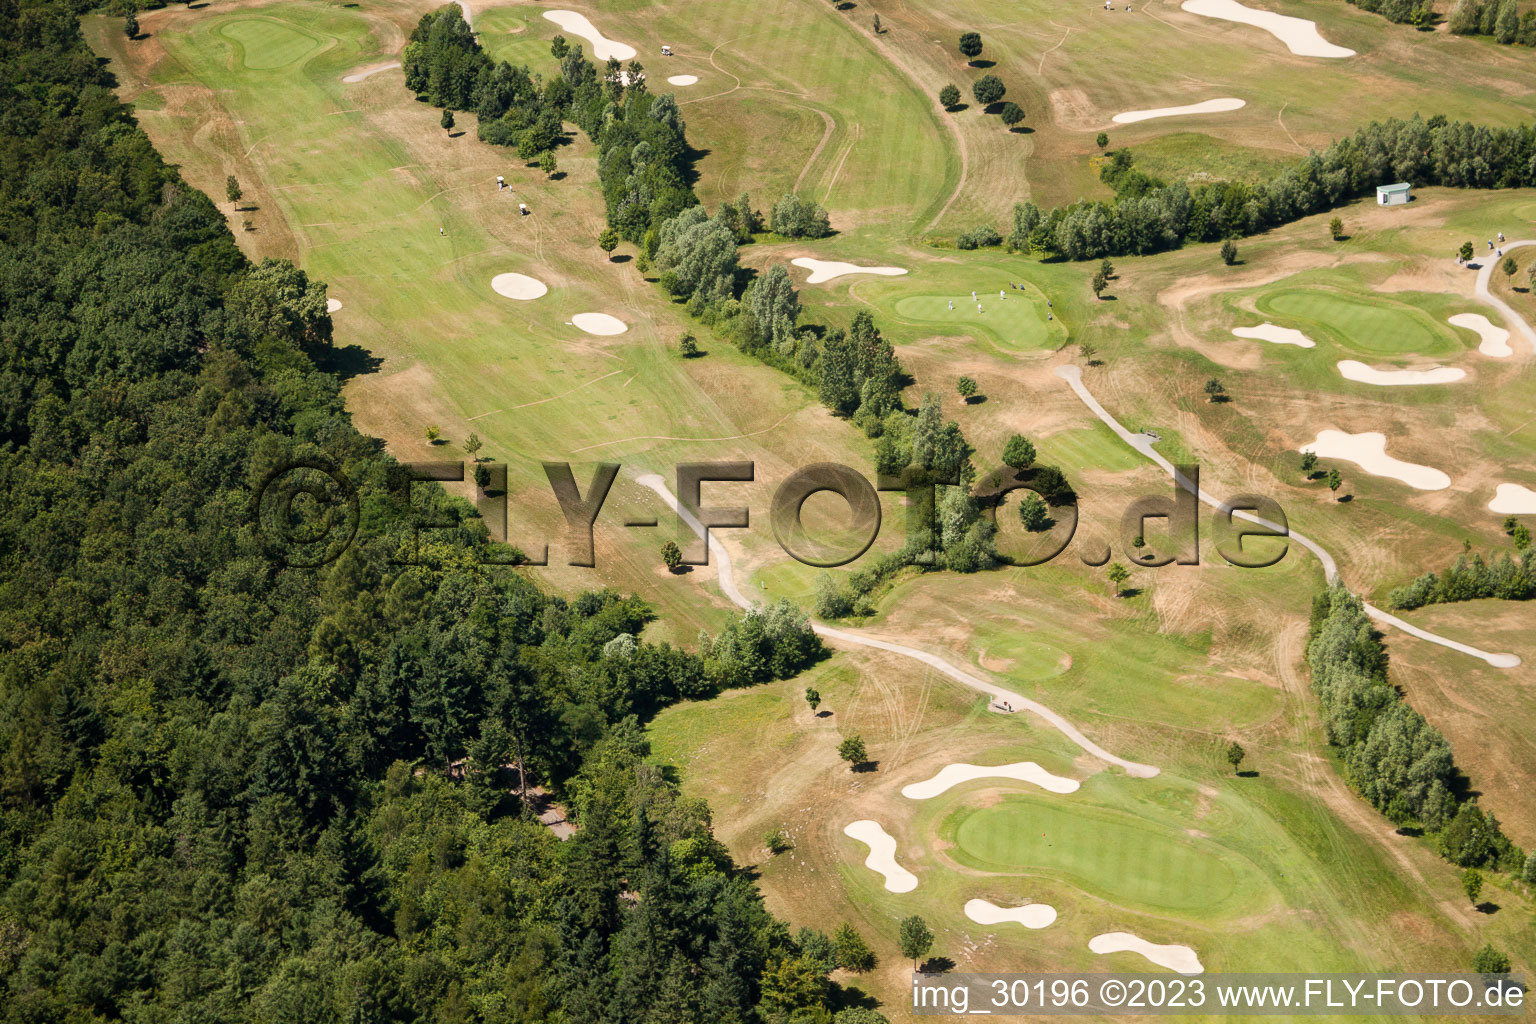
(1026, 659)
(1104, 852)
(1376, 325)
(266, 45)
(1014, 321)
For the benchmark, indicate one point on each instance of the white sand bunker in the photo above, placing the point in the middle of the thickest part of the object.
(1173, 957)
(1208, 107)
(332, 305)
(1298, 34)
(358, 76)
(1369, 452)
(1353, 369)
(1494, 340)
(1278, 335)
(954, 774)
(683, 80)
(1513, 500)
(602, 46)
(1031, 915)
(882, 855)
(599, 323)
(826, 270)
(518, 286)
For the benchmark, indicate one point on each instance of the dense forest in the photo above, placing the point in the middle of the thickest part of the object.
(1150, 216)
(238, 790)
(1390, 754)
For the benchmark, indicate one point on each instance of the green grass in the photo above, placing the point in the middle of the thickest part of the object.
(1105, 852)
(1373, 327)
(267, 44)
(1013, 321)
(365, 178)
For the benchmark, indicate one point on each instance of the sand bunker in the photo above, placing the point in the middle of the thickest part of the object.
(1032, 915)
(1494, 340)
(882, 855)
(332, 305)
(602, 46)
(1298, 34)
(518, 286)
(954, 774)
(1369, 452)
(1513, 500)
(599, 323)
(1175, 958)
(1354, 370)
(1208, 107)
(682, 79)
(826, 270)
(1277, 335)
(358, 76)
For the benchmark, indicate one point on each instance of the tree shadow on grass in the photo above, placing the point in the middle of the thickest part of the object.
(1411, 831)
(680, 570)
(937, 965)
(622, 257)
(1249, 773)
(865, 767)
(976, 400)
(1022, 129)
(348, 361)
(823, 714)
(1129, 592)
(982, 62)
(1487, 907)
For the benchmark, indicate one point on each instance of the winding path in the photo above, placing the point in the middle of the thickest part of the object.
(1485, 274)
(1073, 375)
(728, 586)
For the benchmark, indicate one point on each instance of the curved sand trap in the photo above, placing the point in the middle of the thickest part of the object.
(358, 76)
(683, 80)
(518, 286)
(1494, 340)
(332, 305)
(1369, 452)
(1298, 34)
(882, 855)
(1173, 957)
(1513, 500)
(1278, 335)
(954, 774)
(1355, 370)
(602, 46)
(1208, 107)
(826, 270)
(1031, 915)
(599, 323)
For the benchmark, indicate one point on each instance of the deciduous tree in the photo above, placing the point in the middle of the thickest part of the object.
(988, 90)
(1019, 452)
(1235, 754)
(915, 939)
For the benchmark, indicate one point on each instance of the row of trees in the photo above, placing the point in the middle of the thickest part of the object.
(1157, 216)
(1500, 19)
(644, 163)
(1471, 578)
(1391, 755)
(1418, 13)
